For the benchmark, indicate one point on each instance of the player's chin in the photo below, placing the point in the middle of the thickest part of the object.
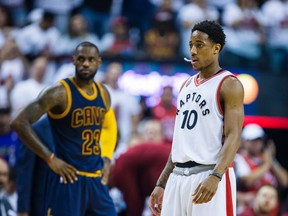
(86, 77)
(196, 67)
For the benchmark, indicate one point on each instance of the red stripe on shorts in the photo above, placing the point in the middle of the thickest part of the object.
(229, 201)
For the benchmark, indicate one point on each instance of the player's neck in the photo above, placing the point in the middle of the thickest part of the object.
(205, 74)
(85, 85)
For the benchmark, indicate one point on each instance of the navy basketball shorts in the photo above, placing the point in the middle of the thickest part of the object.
(85, 197)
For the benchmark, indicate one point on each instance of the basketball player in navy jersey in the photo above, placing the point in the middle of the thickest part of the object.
(198, 178)
(84, 129)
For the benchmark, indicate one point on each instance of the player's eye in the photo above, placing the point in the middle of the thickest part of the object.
(92, 60)
(81, 59)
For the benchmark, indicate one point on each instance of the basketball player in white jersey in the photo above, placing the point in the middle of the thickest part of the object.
(199, 178)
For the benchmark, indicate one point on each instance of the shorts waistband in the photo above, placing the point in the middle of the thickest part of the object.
(188, 164)
(95, 174)
(192, 170)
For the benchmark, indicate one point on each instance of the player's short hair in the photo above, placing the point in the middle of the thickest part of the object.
(213, 29)
(87, 44)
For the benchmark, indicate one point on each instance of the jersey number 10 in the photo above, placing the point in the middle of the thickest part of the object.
(190, 119)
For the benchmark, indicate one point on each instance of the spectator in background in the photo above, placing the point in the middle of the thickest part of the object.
(139, 14)
(61, 9)
(245, 36)
(256, 165)
(190, 14)
(5, 204)
(266, 200)
(77, 33)
(39, 39)
(118, 43)
(145, 113)
(97, 13)
(275, 13)
(175, 5)
(4, 176)
(13, 64)
(13, 68)
(8, 138)
(6, 24)
(161, 42)
(125, 105)
(136, 171)
(165, 112)
(30, 87)
(11, 190)
(17, 9)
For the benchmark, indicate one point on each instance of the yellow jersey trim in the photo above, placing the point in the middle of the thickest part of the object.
(83, 93)
(96, 174)
(69, 103)
(108, 136)
(102, 95)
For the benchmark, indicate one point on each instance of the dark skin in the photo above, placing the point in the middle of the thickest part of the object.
(204, 55)
(54, 99)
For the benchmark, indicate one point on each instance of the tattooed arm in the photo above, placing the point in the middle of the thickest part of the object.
(53, 99)
(156, 197)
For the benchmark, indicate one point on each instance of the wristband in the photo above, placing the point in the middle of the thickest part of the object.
(50, 158)
(160, 185)
(218, 175)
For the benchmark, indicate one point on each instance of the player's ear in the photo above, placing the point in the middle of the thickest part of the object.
(217, 48)
(99, 60)
(73, 59)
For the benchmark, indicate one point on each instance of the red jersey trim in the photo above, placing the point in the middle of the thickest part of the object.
(197, 83)
(218, 99)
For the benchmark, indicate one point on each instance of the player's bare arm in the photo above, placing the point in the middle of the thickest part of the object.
(156, 196)
(232, 94)
(53, 99)
(165, 173)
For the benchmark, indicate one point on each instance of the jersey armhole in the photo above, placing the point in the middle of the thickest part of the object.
(221, 111)
(100, 87)
(183, 84)
(69, 103)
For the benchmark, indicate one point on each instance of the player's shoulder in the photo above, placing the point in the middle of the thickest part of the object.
(56, 89)
(232, 86)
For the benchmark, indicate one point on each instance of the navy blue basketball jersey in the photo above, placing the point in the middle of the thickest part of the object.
(77, 130)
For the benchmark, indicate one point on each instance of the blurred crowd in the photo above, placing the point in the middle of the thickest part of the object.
(37, 39)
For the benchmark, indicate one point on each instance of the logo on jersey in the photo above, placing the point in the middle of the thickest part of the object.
(196, 99)
(87, 116)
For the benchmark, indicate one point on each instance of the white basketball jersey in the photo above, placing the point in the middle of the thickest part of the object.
(198, 128)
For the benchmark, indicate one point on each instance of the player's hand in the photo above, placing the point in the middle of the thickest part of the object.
(106, 171)
(206, 190)
(65, 170)
(155, 201)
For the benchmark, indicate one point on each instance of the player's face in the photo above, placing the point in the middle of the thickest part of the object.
(203, 51)
(86, 61)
